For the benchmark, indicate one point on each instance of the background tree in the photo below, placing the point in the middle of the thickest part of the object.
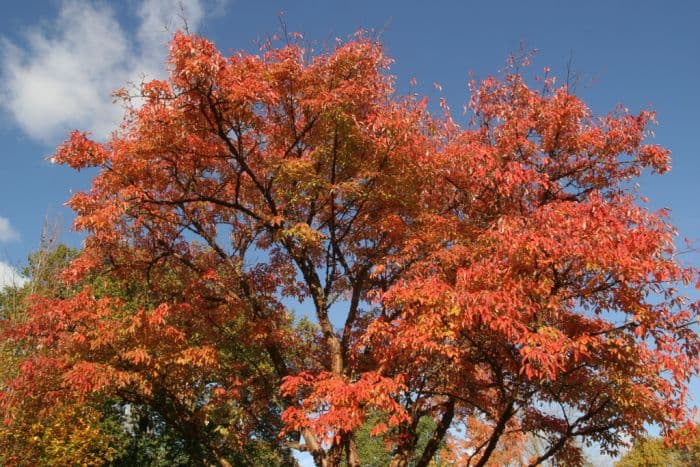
(148, 422)
(71, 432)
(97, 427)
(502, 271)
(652, 452)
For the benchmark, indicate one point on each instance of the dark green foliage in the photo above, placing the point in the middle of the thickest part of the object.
(372, 450)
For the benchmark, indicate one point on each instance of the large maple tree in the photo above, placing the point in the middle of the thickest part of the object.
(503, 271)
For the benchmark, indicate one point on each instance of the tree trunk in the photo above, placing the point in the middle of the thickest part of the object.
(353, 459)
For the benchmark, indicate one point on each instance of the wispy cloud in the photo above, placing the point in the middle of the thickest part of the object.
(61, 76)
(7, 233)
(9, 277)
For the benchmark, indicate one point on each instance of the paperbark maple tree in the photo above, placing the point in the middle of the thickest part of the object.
(502, 270)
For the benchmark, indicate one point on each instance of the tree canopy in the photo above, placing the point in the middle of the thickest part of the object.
(653, 452)
(502, 274)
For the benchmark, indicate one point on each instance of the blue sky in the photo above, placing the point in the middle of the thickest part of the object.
(61, 58)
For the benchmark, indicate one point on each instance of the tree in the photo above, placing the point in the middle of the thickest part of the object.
(72, 432)
(653, 452)
(51, 417)
(502, 271)
(649, 453)
(48, 423)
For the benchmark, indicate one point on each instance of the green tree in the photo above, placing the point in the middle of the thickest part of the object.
(655, 452)
(373, 450)
(650, 452)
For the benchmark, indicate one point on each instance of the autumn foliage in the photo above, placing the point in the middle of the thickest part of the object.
(501, 271)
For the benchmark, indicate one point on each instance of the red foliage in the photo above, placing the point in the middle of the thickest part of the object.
(502, 270)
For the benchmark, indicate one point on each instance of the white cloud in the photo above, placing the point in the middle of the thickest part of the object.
(157, 17)
(7, 233)
(9, 277)
(63, 74)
